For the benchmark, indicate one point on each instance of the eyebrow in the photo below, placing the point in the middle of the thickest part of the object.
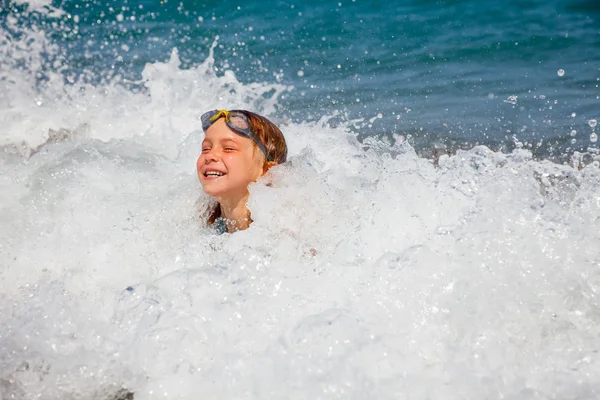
(227, 140)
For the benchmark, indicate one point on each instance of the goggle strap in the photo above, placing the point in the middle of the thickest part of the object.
(218, 114)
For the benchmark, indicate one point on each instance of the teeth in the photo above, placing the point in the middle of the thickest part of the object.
(214, 173)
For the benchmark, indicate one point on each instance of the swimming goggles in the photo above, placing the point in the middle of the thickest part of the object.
(236, 121)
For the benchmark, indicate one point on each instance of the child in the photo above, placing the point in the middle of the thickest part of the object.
(239, 147)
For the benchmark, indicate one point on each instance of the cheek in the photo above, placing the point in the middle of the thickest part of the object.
(199, 163)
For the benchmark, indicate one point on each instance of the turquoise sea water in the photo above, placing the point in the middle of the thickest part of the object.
(449, 73)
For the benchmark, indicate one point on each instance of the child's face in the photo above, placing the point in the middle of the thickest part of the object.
(228, 163)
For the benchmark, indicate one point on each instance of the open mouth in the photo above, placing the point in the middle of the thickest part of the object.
(213, 174)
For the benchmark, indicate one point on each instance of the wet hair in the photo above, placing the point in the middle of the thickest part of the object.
(271, 137)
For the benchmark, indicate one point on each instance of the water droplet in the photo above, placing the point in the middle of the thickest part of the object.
(491, 96)
(301, 73)
(120, 18)
(561, 72)
(542, 96)
(573, 132)
(573, 141)
(379, 115)
(573, 115)
(592, 123)
(593, 137)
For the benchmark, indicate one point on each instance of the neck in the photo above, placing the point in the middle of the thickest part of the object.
(235, 213)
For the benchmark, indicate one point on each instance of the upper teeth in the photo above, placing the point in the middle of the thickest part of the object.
(213, 173)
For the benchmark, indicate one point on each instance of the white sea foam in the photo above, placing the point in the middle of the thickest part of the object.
(40, 6)
(367, 273)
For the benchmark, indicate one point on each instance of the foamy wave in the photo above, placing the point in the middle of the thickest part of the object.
(41, 6)
(368, 271)
(159, 115)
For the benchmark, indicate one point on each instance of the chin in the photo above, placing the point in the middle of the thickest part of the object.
(212, 191)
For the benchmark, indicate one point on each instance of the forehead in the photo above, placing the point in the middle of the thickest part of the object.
(220, 131)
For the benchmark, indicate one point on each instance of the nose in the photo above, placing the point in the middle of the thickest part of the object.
(206, 158)
(210, 156)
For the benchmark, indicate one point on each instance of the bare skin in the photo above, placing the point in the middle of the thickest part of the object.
(228, 164)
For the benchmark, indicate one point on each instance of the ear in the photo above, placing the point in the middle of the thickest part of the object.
(267, 166)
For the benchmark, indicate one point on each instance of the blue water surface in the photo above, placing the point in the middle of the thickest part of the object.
(447, 73)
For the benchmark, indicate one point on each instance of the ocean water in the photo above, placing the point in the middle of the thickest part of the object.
(434, 234)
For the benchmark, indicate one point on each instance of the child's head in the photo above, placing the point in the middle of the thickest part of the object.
(239, 147)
